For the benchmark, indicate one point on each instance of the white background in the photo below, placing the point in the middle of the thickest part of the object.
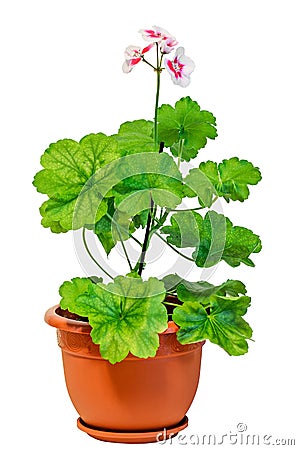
(61, 77)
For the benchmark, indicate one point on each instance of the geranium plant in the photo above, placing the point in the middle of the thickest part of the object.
(113, 186)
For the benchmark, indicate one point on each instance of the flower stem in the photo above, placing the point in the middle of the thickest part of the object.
(148, 63)
(91, 256)
(162, 54)
(158, 72)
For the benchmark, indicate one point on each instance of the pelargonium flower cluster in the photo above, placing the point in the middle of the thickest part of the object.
(179, 68)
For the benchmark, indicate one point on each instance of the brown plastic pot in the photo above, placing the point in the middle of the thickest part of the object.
(136, 400)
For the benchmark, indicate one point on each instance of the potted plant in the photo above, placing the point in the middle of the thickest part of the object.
(132, 343)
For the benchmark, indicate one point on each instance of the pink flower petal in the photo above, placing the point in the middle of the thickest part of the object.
(135, 61)
(146, 49)
(168, 45)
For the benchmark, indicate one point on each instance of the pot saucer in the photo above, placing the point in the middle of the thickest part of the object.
(133, 437)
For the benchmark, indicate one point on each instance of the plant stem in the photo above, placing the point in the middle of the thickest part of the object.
(163, 218)
(181, 142)
(158, 71)
(161, 147)
(124, 247)
(194, 209)
(173, 248)
(153, 216)
(148, 63)
(159, 223)
(161, 214)
(91, 256)
(162, 54)
(188, 209)
(170, 304)
(123, 228)
(146, 238)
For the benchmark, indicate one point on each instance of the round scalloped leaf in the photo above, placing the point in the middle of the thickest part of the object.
(126, 316)
(221, 323)
(187, 122)
(68, 168)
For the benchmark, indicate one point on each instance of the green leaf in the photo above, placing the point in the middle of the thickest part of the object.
(232, 288)
(65, 215)
(154, 176)
(126, 316)
(210, 170)
(186, 153)
(103, 229)
(70, 291)
(104, 233)
(114, 226)
(220, 240)
(212, 240)
(134, 181)
(140, 220)
(231, 177)
(48, 222)
(214, 237)
(197, 183)
(240, 243)
(203, 291)
(171, 282)
(184, 230)
(68, 169)
(152, 172)
(186, 121)
(221, 323)
(138, 202)
(196, 291)
(135, 137)
(69, 164)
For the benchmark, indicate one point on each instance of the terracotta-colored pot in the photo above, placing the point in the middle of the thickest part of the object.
(136, 400)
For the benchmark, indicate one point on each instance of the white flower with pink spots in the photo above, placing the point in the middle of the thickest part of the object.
(180, 68)
(133, 55)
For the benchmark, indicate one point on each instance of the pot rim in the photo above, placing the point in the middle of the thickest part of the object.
(77, 326)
